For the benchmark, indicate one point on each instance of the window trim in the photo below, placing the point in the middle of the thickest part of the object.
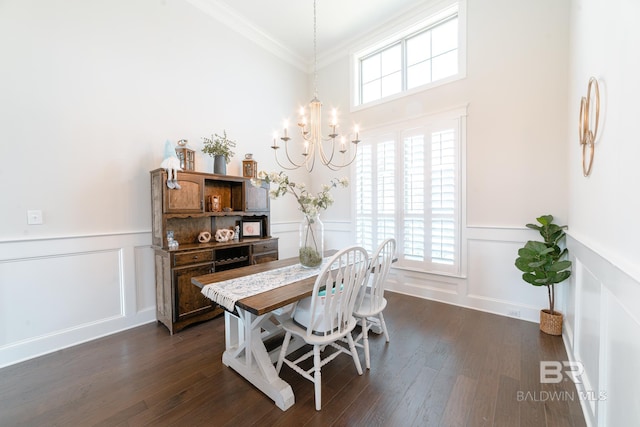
(432, 16)
(430, 119)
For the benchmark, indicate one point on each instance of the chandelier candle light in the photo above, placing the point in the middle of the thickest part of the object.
(311, 131)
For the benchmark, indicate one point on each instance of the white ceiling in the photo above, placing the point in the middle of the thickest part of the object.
(288, 24)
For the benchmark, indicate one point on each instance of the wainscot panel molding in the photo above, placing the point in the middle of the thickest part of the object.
(489, 280)
(602, 333)
(59, 292)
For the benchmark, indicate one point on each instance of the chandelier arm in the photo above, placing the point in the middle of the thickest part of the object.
(286, 167)
(286, 149)
(286, 152)
(327, 160)
(336, 167)
(355, 153)
(308, 161)
(310, 164)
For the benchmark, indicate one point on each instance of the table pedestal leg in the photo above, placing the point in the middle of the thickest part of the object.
(246, 354)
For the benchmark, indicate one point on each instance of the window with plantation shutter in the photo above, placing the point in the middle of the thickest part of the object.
(407, 186)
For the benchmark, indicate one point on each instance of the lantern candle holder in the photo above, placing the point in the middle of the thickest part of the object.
(186, 156)
(249, 166)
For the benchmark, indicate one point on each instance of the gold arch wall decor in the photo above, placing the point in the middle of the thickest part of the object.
(588, 131)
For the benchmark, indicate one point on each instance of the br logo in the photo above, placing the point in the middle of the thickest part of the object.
(552, 371)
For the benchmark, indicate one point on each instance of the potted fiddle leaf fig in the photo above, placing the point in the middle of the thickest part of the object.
(544, 263)
(219, 147)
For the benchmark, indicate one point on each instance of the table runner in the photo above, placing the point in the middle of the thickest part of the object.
(228, 292)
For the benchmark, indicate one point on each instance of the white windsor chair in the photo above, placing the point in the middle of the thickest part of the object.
(330, 317)
(371, 301)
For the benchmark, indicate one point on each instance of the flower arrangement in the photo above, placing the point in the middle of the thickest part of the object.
(310, 205)
(219, 146)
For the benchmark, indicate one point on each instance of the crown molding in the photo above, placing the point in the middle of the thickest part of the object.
(395, 24)
(234, 21)
(241, 25)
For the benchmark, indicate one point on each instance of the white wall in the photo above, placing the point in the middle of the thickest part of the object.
(603, 206)
(602, 326)
(516, 148)
(516, 90)
(90, 92)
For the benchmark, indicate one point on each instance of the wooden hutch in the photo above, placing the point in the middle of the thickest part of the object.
(186, 212)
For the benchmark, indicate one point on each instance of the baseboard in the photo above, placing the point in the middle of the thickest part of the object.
(38, 346)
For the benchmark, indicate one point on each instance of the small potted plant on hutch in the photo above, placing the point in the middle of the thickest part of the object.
(545, 264)
(219, 147)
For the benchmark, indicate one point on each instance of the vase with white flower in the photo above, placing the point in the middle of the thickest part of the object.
(311, 228)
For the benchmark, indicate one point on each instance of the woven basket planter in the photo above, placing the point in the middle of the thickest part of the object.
(550, 323)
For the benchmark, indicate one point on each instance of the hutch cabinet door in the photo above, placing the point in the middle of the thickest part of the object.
(189, 299)
(190, 196)
(257, 198)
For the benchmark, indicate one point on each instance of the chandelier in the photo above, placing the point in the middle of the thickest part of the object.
(338, 152)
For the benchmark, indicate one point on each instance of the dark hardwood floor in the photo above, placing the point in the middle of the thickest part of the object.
(444, 366)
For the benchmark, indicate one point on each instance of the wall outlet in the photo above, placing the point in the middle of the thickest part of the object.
(513, 313)
(34, 217)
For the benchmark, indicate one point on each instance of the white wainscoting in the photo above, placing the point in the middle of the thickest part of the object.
(58, 292)
(602, 331)
(489, 280)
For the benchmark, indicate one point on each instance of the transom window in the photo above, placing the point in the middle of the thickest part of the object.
(424, 54)
(407, 186)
